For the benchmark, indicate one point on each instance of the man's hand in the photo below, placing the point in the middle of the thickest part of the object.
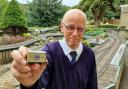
(26, 74)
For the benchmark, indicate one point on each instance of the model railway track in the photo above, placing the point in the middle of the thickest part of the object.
(104, 54)
(102, 51)
(101, 55)
(106, 72)
(104, 60)
(99, 47)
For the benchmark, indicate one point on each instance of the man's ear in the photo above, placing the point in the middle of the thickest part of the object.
(61, 27)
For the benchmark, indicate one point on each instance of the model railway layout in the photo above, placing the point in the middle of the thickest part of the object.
(104, 54)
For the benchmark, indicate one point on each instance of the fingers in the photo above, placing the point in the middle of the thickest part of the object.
(18, 75)
(36, 67)
(37, 70)
(18, 57)
(21, 68)
(28, 75)
(23, 51)
(19, 62)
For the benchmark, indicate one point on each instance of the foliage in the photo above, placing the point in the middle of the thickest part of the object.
(93, 30)
(109, 14)
(13, 17)
(108, 26)
(86, 42)
(27, 35)
(94, 33)
(90, 27)
(3, 4)
(45, 13)
(24, 9)
(100, 8)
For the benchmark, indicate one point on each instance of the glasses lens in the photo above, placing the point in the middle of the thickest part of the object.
(73, 28)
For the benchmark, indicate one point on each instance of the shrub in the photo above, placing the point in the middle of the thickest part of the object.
(108, 26)
(27, 35)
(90, 27)
(13, 17)
(86, 42)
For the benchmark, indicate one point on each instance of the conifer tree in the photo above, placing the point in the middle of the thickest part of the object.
(13, 17)
(3, 4)
(45, 12)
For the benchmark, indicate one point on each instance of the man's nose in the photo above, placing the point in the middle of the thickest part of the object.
(75, 32)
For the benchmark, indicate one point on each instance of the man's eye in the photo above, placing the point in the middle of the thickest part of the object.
(80, 29)
(71, 28)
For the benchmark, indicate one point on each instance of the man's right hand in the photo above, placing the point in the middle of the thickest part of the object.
(26, 74)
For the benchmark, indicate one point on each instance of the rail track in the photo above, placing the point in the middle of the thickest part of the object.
(104, 54)
(105, 58)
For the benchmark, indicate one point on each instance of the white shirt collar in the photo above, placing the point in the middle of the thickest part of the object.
(67, 49)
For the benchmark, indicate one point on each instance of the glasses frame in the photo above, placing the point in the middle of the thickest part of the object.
(72, 28)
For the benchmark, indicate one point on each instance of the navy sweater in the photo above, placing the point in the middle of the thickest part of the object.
(60, 74)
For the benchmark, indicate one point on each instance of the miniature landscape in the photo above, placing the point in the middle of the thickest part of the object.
(106, 33)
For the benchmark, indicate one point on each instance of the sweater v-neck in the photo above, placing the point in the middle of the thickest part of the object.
(66, 59)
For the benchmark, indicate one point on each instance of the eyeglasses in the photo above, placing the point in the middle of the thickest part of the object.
(72, 28)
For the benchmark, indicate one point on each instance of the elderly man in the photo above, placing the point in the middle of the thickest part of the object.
(71, 65)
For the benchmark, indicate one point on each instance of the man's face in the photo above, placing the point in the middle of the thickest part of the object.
(73, 29)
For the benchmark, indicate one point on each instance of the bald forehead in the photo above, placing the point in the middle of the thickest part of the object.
(74, 12)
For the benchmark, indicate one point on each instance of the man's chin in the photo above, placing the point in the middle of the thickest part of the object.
(73, 45)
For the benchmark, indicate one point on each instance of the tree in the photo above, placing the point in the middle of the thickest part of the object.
(13, 18)
(100, 7)
(97, 7)
(44, 12)
(3, 4)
